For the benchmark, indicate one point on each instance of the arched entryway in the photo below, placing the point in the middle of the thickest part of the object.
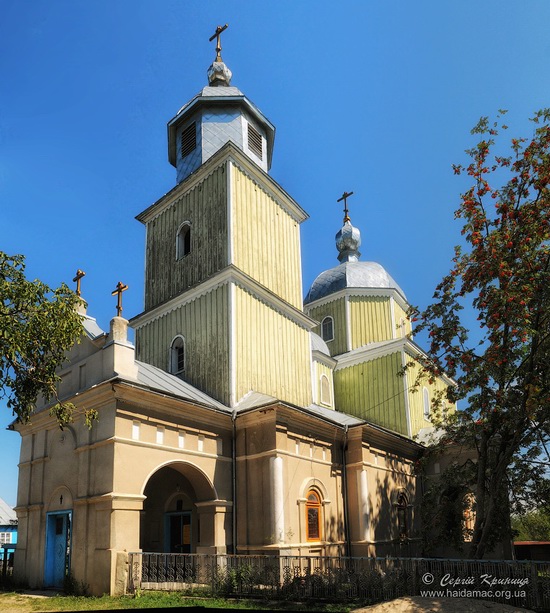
(181, 512)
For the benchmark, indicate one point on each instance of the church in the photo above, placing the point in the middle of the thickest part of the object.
(243, 419)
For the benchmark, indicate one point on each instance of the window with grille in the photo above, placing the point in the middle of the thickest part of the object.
(5, 538)
(255, 141)
(189, 139)
(402, 505)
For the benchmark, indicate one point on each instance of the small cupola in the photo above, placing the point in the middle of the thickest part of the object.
(219, 113)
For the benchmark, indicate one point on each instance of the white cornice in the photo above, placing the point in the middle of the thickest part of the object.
(369, 352)
(228, 153)
(230, 274)
(361, 291)
(379, 350)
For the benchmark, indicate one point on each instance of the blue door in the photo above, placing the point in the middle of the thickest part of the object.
(58, 548)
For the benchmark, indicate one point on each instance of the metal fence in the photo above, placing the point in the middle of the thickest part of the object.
(365, 580)
(6, 563)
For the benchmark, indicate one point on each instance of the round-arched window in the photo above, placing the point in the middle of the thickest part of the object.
(313, 516)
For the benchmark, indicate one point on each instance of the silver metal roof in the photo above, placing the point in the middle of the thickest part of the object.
(161, 381)
(7, 514)
(318, 344)
(351, 275)
(91, 327)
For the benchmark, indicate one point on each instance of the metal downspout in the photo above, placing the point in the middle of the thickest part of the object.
(234, 478)
(345, 491)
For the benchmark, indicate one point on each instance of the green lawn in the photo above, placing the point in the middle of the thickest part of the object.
(22, 603)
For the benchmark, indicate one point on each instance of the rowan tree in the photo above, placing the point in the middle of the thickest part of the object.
(38, 326)
(501, 364)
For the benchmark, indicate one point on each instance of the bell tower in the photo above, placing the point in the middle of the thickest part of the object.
(218, 114)
(223, 285)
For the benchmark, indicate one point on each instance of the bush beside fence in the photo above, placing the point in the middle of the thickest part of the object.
(365, 580)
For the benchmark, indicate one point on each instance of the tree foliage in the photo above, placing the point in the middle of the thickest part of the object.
(533, 526)
(38, 326)
(502, 364)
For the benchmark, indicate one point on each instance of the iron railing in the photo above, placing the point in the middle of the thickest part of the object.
(365, 580)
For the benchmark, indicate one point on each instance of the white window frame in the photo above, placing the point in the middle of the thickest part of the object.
(327, 319)
(178, 342)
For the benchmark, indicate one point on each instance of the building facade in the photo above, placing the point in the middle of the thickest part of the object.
(243, 420)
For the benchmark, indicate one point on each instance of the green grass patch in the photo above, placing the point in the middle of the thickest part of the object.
(149, 600)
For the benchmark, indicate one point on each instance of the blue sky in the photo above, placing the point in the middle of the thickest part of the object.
(372, 97)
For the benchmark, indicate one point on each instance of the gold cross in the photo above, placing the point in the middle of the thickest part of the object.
(345, 197)
(79, 275)
(216, 36)
(119, 289)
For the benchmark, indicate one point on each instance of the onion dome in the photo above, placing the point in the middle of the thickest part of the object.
(351, 273)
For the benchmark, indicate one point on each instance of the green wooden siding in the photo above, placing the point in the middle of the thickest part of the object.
(272, 352)
(204, 323)
(337, 310)
(374, 391)
(416, 397)
(370, 320)
(265, 238)
(205, 206)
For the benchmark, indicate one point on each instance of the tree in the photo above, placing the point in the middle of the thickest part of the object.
(37, 327)
(502, 364)
(533, 526)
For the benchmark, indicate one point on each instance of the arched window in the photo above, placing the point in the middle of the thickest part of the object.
(325, 390)
(327, 329)
(468, 516)
(426, 402)
(313, 516)
(183, 240)
(402, 507)
(177, 355)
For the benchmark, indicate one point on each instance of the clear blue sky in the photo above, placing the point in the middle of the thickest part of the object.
(372, 97)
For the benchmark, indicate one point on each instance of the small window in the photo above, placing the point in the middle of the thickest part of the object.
(5, 538)
(327, 329)
(325, 390)
(402, 515)
(177, 356)
(426, 402)
(255, 141)
(183, 241)
(313, 516)
(188, 140)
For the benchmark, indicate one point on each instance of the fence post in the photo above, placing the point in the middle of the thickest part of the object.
(535, 588)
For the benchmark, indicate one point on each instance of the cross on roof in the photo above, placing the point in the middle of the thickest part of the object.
(119, 289)
(216, 36)
(345, 197)
(79, 275)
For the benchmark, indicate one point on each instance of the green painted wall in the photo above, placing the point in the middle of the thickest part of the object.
(373, 390)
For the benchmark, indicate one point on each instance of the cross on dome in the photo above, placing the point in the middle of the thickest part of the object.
(345, 197)
(216, 36)
(218, 73)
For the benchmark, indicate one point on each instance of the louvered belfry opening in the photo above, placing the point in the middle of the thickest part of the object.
(255, 141)
(188, 139)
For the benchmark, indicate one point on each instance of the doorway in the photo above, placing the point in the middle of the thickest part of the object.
(178, 527)
(58, 548)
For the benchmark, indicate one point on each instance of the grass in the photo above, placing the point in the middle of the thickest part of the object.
(22, 603)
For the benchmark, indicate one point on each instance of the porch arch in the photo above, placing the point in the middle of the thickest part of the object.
(181, 511)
